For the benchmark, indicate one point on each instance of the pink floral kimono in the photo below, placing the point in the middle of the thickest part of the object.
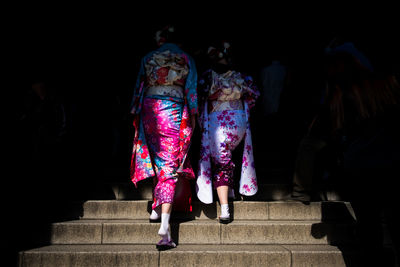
(164, 97)
(225, 123)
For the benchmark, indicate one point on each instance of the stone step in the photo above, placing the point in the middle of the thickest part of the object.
(266, 192)
(247, 210)
(127, 191)
(202, 232)
(188, 255)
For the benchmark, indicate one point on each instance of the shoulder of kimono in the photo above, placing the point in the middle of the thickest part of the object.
(171, 47)
(148, 55)
(189, 59)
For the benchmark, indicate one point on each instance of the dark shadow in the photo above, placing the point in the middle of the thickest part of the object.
(336, 211)
(209, 210)
(370, 238)
(231, 211)
(175, 232)
(338, 225)
(375, 207)
(149, 207)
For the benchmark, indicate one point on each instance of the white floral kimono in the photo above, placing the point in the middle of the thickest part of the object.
(222, 131)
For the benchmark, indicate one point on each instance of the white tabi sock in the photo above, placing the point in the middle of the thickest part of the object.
(224, 211)
(155, 214)
(164, 227)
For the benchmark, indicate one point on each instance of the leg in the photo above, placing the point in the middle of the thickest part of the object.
(304, 168)
(164, 227)
(223, 194)
(155, 214)
(166, 208)
(227, 129)
(223, 201)
(164, 195)
(223, 180)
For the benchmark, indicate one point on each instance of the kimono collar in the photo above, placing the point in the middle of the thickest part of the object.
(169, 46)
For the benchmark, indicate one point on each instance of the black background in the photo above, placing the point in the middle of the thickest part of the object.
(90, 54)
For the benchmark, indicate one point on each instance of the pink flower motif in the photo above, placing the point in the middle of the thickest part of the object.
(246, 188)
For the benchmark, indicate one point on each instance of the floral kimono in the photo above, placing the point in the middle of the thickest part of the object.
(164, 97)
(225, 114)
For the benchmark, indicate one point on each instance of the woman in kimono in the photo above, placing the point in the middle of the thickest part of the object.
(164, 104)
(227, 96)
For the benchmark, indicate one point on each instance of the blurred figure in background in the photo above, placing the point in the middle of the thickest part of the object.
(356, 127)
(273, 80)
(364, 111)
(345, 63)
(44, 120)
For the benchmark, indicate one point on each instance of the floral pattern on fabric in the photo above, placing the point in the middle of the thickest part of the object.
(164, 192)
(166, 68)
(227, 129)
(189, 83)
(142, 166)
(155, 128)
(162, 121)
(231, 85)
(222, 131)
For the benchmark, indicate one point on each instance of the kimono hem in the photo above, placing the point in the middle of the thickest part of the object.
(248, 181)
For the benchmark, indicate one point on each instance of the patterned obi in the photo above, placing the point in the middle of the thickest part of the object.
(166, 68)
(226, 91)
(165, 90)
(218, 105)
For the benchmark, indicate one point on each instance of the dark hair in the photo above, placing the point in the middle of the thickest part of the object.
(167, 34)
(218, 50)
(354, 93)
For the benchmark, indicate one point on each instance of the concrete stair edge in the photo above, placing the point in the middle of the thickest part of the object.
(278, 210)
(188, 255)
(202, 232)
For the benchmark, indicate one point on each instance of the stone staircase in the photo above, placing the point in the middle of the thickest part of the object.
(265, 232)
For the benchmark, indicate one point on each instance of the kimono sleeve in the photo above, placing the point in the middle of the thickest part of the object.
(191, 87)
(136, 103)
(252, 92)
